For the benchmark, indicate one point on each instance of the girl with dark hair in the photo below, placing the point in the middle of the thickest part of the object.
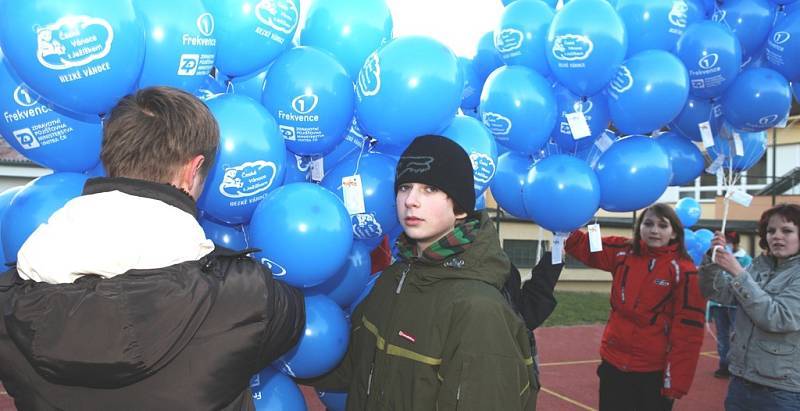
(652, 340)
(765, 345)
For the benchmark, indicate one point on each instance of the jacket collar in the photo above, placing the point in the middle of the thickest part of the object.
(158, 191)
(671, 248)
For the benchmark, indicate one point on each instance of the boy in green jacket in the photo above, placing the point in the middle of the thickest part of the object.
(436, 332)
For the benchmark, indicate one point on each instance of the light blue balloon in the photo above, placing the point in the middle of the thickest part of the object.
(551, 3)
(249, 162)
(688, 211)
(311, 96)
(656, 24)
(250, 36)
(273, 391)
(586, 44)
(512, 172)
(224, 235)
(633, 173)
(750, 20)
(754, 145)
(695, 112)
(45, 136)
(353, 144)
(82, 56)
(410, 87)
(5, 200)
(783, 47)
(471, 96)
(251, 86)
(33, 205)
(478, 142)
(334, 401)
(684, 156)
(690, 240)
(377, 180)
(301, 216)
(712, 55)
(649, 91)
(348, 281)
(323, 343)
(561, 193)
(348, 29)
(486, 59)
(180, 43)
(521, 35)
(703, 237)
(518, 106)
(759, 99)
(367, 288)
(595, 112)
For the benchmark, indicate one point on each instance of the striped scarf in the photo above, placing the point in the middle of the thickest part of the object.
(453, 243)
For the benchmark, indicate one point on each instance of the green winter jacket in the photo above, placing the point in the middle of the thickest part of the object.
(436, 334)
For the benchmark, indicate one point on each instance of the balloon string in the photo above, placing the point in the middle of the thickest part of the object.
(360, 154)
(539, 245)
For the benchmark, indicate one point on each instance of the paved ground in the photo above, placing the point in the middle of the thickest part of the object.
(569, 359)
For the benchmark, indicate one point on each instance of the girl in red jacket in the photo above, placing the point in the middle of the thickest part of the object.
(652, 339)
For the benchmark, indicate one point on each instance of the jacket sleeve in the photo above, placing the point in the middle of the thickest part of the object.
(686, 331)
(577, 245)
(715, 283)
(537, 299)
(772, 313)
(487, 363)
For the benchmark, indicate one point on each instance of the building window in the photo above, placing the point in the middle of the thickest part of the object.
(522, 252)
(708, 186)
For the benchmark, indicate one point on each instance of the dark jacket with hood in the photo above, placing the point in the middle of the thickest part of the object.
(436, 332)
(187, 336)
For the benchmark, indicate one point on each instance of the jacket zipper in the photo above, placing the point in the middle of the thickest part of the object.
(403, 278)
(622, 287)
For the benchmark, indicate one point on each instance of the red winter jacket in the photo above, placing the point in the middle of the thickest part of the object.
(657, 311)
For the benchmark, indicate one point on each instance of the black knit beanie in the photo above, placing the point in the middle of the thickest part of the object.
(439, 162)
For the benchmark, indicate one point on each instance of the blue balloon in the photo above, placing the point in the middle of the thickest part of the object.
(409, 87)
(697, 256)
(703, 237)
(685, 158)
(519, 107)
(649, 91)
(712, 55)
(180, 44)
(334, 401)
(249, 37)
(5, 200)
(656, 24)
(521, 35)
(323, 343)
(551, 3)
(353, 144)
(595, 112)
(376, 171)
(345, 285)
(251, 86)
(754, 145)
(480, 202)
(695, 112)
(82, 56)
(311, 96)
(586, 44)
(486, 59)
(796, 90)
(209, 89)
(45, 136)
(301, 216)
(688, 211)
(512, 172)
(471, 95)
(33, 205)
(348, 29)
(783, 47)
(561, 193)
(224, 235)
(297, 168)
(633, 173)
(97, 171)
(759, 99)
(249, 162)
(479, 144)
(274, 391)
(750, 20)
(690, 240)
(365, 291)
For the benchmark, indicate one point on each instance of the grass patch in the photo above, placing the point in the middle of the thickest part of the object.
(579, 308)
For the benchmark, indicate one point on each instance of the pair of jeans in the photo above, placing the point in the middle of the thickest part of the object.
(744, 395)
(723, 321)
(631, 391)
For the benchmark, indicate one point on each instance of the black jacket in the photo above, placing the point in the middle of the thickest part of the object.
(184, 337)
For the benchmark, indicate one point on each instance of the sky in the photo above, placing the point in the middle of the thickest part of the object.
(459, 24)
